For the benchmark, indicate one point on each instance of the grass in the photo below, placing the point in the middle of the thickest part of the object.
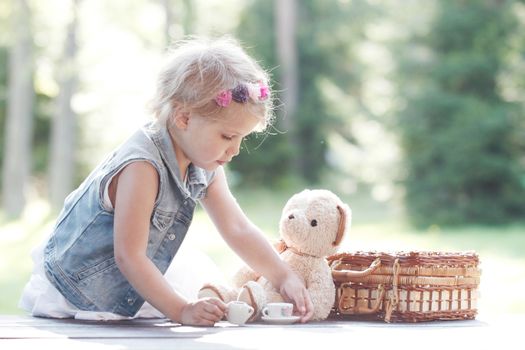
(375, 226)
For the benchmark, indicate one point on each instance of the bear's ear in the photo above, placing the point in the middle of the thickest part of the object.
(342, 226)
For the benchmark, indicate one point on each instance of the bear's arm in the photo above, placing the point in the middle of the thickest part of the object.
(321, 288)
(244, 275)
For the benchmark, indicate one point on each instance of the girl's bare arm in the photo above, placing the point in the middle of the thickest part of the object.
(136, 191)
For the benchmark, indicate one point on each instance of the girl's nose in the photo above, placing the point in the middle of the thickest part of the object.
(234, 150)
(231, 152)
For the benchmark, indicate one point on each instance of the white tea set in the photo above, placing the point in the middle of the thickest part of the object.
(275, 313)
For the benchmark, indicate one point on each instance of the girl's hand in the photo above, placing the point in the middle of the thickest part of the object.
(293, 290)
(203, 312)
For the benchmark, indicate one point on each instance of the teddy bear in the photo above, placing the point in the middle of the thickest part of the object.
(312, 226)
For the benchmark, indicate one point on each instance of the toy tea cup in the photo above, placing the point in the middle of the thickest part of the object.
(238, 312)
(278, 310)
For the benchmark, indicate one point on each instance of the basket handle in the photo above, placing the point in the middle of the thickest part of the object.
(345, 275)
(356, 310)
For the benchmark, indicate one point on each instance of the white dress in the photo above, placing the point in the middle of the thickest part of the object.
(189, 270)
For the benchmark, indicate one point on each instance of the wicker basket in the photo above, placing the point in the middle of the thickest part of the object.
(406, 286)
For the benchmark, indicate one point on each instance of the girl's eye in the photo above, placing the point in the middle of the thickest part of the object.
(228, 138)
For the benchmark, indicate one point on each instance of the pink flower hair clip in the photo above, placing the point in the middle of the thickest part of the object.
(258, 92)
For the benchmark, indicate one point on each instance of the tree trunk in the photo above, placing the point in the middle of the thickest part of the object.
(19, 117)
(285, 12)
(63, 132)
(169, 19)
(189, 17)
(185, 15)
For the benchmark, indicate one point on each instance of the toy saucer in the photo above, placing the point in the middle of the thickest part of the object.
(281, 320)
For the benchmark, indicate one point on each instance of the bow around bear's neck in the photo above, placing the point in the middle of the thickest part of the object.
(281, 247)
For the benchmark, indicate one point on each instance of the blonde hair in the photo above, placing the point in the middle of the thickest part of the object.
(199, 69)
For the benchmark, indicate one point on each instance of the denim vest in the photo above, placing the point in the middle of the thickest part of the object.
(79, 256)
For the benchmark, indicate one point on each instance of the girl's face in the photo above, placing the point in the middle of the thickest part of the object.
(208, 142)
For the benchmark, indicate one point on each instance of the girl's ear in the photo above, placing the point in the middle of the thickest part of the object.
(181, 118)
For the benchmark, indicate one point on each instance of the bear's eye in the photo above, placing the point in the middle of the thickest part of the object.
(313, 223)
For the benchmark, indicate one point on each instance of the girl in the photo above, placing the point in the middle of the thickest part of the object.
(119, 231)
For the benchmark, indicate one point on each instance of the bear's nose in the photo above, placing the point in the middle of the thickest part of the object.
(291, 217)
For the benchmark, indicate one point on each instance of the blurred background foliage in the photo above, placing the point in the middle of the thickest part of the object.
(412, 111)
(425, 110)
(461, 134)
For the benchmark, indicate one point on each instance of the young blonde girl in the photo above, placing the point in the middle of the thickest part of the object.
(119, 231)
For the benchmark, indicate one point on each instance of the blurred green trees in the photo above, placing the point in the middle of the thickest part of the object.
(260, 161)
(460, 125)
(326, 34)
(3, 96)
(458, 133)
(24, 111)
